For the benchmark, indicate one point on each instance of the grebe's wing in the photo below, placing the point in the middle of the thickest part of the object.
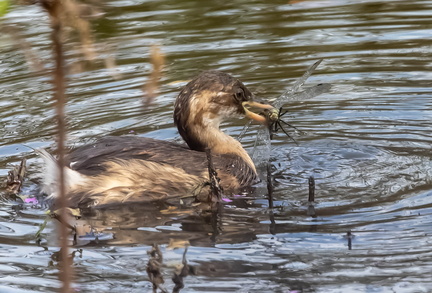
(90, 159)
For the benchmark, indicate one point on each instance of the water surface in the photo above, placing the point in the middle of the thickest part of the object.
(367, 143)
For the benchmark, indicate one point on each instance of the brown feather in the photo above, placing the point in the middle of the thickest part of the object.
(132, 169)
(138, 169)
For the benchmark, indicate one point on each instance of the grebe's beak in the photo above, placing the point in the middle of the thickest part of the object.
(265, 111)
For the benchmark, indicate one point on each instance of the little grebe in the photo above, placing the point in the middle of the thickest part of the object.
(132, 169)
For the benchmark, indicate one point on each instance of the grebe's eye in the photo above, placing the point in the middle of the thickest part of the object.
(239, 96)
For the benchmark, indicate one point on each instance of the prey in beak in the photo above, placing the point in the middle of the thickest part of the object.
(261, 113)
(268, 115)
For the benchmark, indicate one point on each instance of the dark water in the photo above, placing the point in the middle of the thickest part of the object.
(367, 143)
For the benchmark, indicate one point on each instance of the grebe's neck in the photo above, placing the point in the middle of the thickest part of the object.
(220, 143)
(203, 132)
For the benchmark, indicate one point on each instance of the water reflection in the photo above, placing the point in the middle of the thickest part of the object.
(162, 223)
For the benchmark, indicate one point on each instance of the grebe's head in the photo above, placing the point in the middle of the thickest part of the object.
(210, 98)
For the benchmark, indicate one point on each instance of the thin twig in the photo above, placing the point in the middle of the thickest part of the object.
(215, 188)
(269, 186)
(349, 237)
(311, 208)
(311, 182)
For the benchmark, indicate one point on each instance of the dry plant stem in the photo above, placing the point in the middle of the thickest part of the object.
(215, 188)
(71, 13)
(311, 182)
(311, 208)
(157, 59)
(349, 237)
(269, 186)
(54, 9)
(270, 189)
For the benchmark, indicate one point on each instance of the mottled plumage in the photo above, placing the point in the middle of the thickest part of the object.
(131, 169)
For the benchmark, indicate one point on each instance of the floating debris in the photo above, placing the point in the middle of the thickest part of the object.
(15, 178)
